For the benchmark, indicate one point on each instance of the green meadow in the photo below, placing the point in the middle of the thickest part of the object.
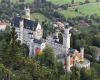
(86, 9)
(66, 1)
(39, 16)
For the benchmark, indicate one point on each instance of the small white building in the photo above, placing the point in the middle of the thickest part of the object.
(59, 25)
(3, 25)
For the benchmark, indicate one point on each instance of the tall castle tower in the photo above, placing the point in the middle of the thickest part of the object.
(66, 43)
(21, 30)
(82, 53)
(66, 39)
(27, 12)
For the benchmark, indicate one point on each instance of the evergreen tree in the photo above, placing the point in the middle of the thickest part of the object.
(75, 75)
(47, 58)
(72, 1)
(85, 74)
(11, 48)
(87, 1)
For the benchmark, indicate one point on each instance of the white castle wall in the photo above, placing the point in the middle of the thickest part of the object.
(57, 48)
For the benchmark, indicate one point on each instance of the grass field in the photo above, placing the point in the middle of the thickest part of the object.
(29, 1)
(86, 9)
(69, 13)
(39, 16)
(91, 8)
(66, 1)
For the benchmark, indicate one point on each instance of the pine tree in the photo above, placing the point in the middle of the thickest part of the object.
(72, 1)
(11, 48)
(87, 1)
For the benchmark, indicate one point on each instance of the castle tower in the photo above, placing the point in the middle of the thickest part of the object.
(68, 63)
(27, 13)
(66, 39)
(82, 53)
(21, 30)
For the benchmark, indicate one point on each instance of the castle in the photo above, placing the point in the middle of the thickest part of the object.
(31, 32)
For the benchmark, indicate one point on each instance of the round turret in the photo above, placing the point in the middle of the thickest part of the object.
(66, 38)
